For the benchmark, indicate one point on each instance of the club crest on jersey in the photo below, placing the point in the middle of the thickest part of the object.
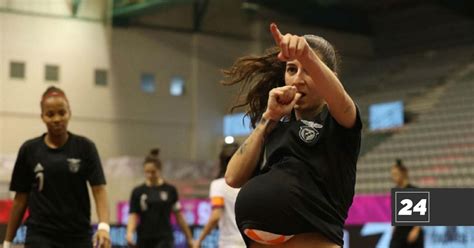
(164, 195)
(309, 132)
(74, 164)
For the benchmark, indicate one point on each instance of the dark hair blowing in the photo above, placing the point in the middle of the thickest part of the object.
(260, 74)
(153, 158)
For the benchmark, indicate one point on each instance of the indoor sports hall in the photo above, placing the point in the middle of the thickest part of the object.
(102, 101)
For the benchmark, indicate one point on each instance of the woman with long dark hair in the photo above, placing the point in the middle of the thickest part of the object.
(297, 168)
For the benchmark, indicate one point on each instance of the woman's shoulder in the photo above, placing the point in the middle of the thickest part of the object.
(168, 186)
(81, 139)
(34, 142)
(218, 181)
(139, 187)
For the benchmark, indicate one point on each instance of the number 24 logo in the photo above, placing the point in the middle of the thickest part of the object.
(420, 207)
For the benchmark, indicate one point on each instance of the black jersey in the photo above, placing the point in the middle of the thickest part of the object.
(306, 180)
(400, 235)
(56, 180)
(154, 204)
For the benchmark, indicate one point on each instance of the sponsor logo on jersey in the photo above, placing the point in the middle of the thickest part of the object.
(309, 132)
(164, 195)
(74, 164)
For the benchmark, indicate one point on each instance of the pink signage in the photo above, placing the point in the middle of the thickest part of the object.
(369, 208)
(364, 209)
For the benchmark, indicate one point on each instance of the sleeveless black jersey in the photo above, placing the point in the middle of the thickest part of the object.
(306, 180)
(56, 180)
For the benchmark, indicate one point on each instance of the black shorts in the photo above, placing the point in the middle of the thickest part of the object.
(36, 239)
(286, 200)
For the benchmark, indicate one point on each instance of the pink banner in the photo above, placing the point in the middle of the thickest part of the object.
(365, 208)
(369, 208)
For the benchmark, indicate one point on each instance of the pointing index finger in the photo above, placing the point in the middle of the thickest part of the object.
(276, 33)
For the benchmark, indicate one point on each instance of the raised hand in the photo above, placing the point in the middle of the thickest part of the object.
(292, 46)
(281, 101)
